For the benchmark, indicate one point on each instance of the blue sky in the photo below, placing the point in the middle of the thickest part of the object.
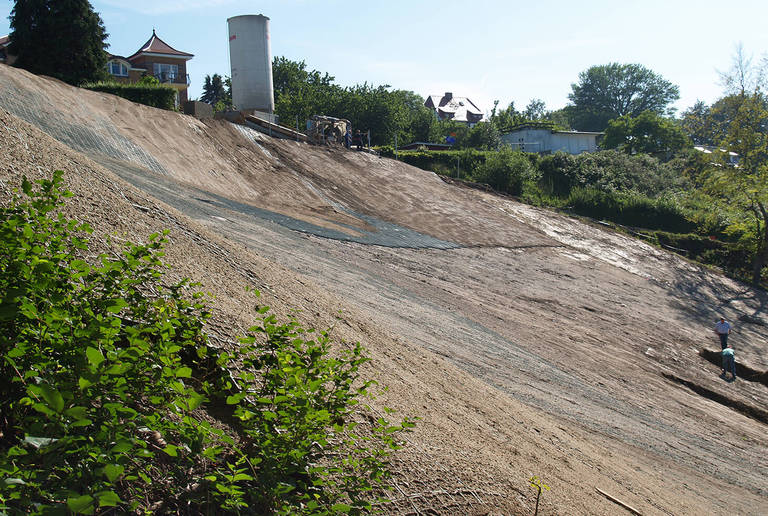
(484, 49)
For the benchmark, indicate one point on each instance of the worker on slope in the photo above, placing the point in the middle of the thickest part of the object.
(723, 329)
(729, 362)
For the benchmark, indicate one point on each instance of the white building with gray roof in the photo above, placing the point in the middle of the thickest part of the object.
(459, 109)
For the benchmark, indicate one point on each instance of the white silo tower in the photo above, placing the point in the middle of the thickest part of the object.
(250, 58)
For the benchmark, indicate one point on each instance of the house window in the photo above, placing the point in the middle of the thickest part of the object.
(117, 68)
(165, 72)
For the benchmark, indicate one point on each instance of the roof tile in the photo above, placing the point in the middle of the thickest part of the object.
(155, 45)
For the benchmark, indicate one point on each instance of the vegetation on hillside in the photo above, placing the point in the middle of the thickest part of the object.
(110, 384)
(708, 204)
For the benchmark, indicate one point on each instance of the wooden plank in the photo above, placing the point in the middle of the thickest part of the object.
(619, 502)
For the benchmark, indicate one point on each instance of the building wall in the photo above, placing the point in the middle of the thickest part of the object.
(573, 143)
(545, 141)
(135, 75)
(528, 140)
(147, 62)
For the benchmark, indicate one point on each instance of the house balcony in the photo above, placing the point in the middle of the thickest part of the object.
(172, 78)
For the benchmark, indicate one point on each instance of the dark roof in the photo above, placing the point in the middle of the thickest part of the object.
(428, 145)
(4, 40)
(155, 45)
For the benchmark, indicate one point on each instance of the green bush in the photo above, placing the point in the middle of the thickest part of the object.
(107, 374)
(147, 93)
(630, 209)
(731, 256)
(506, 171)
(558, 174)
(609, 171)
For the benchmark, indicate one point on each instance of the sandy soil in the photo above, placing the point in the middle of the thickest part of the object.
(528, 342)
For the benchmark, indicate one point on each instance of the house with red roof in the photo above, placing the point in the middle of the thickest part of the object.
(458, 109)
(155, 58)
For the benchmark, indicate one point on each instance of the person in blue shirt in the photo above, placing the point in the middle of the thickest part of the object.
(723, 329)
(729, 362)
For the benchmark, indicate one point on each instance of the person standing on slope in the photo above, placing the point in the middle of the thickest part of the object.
(723, 329)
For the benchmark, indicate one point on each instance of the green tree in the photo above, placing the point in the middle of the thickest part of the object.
(696, 123)
(422, 122)
(506, 171)
(647, 133)
(301, 93)
(76, 30)
(559, 118)
(288, 76)
(217, 92)
(484, 135)
(535, 110)
(610, 91)
(744, 187)
(506, 118)
(709, 125)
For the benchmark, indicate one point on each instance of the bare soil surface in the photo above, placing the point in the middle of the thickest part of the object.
(528, 342)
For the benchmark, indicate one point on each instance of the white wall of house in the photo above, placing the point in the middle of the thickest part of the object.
(544, 140)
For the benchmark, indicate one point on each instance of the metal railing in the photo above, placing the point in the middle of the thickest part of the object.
(172, 78)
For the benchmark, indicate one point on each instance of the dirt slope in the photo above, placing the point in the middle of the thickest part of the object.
(529, 343)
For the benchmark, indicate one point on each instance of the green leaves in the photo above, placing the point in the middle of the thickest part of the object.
(107, 383)
(95, 357)
(606, 92)
(52, 397)
(117, 305)
(113, 471)
(82, 504)
(648, 133)
(183, 372)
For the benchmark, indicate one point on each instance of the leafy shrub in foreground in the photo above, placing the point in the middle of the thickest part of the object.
(105, 374)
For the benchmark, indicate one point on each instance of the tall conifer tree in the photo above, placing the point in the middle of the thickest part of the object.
(64, 39)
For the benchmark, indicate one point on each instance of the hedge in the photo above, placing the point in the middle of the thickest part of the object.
(630, 209)
(154, 95)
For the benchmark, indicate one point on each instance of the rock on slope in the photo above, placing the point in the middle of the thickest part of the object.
(528, 343)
